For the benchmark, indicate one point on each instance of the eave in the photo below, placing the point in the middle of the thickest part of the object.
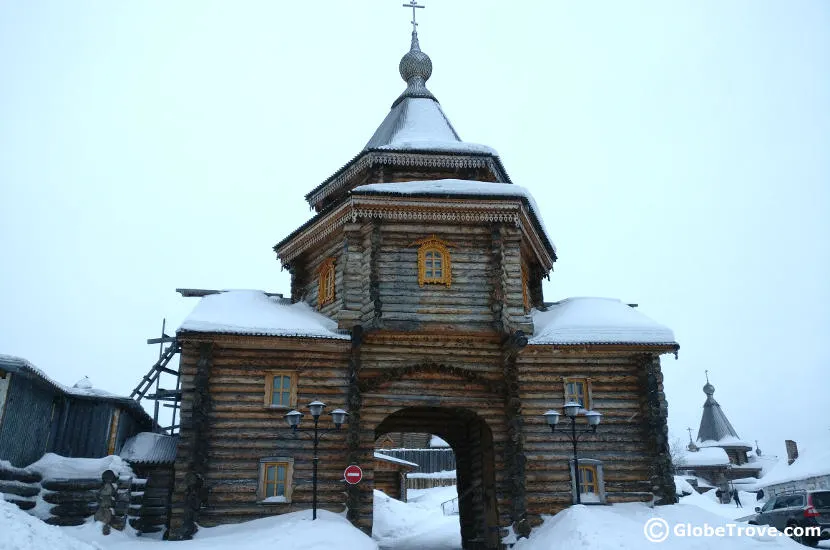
(416, 158)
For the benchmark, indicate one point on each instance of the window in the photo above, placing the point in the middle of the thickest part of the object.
(275, 480)
(590, 481)
(579, 390)
(434, 264)
(281, 389)
(325, 287)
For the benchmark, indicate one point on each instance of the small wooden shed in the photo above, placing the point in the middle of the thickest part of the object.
(390, 475)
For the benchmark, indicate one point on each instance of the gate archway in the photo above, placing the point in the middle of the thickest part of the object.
(472, 442)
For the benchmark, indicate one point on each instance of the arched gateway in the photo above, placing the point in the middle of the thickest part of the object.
(416, 304)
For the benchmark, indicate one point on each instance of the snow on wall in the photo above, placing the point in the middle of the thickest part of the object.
(596, 320)
(255, 313)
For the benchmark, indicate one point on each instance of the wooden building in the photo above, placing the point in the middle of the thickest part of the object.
(416, 304)
(38, 416)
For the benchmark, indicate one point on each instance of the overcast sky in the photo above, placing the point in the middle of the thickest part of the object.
(678, 151)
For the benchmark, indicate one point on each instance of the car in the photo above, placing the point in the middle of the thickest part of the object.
(797, 509)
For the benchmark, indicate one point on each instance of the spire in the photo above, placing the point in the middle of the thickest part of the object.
(415, 66)
(714, 426)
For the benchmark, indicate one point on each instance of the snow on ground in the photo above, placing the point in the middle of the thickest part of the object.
(709, 502)
(418, 523)
(21, 531)
(621, 527)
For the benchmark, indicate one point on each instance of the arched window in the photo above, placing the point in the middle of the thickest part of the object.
(325, 288)
(434, 263)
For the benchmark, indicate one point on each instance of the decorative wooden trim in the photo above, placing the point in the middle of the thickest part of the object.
(326, 282)
(525, 289)
(435, 246)
(113, 435)
(269, 389)
(586, 390)
(389, 375)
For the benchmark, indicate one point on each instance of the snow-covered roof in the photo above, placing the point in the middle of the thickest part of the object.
(150, 448)
(83, 388)
(727, 441)
(418, 123)
(596, 321)
(712, 456)
(402, 462)
(436, 442)
(457, 188)
(253, 312)
(812, 461)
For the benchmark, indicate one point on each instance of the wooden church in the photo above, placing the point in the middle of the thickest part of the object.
(416, 305)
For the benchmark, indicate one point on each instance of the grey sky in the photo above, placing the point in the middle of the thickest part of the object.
(678, 151)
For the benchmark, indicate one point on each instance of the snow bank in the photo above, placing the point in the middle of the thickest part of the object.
(682, 486)
(621, 527)
(254, 312)
(20, 531)
(596, 321)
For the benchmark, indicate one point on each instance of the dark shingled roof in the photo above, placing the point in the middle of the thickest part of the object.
(150, 448)
(714, 426)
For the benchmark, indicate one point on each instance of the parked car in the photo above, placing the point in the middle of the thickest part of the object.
(797, 509)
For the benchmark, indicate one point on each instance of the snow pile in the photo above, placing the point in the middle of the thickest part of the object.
(254, 312)
(622, 527)
(707, 456)
(20, 531)
(709, 501)
(682, 486)
(294, 531)
(596, 321)
(418, 523)
(52, 466)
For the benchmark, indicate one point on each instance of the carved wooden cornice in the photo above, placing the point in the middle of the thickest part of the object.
(424, 159)
(368, 207)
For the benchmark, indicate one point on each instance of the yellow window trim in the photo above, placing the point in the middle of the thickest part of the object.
(586, 390)
(263, 478)
(441, 247)
(116, 415)
(269, 389)
(593, 486)
(325, 284)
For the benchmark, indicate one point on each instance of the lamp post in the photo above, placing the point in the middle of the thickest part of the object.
(293, 418)
(572, 409)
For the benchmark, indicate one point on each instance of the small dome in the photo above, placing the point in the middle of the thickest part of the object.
(709, 389)
(415, 63)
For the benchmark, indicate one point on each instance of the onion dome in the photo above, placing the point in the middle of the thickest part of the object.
(415, 68)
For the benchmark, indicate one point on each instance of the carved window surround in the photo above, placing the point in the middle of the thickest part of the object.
(325, 285)
(434, 261)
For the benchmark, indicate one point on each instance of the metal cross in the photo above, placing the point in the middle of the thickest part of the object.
(707, 376)
(690, 434)
(413, 4)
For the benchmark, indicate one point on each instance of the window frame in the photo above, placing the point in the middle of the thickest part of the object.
(599, 480)
(262, 472)
(269, 389)
(434, 244)
(326, 276)
(586, 388)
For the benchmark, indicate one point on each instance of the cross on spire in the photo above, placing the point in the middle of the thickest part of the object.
(413, 4)
(690, 434)
(707, 376)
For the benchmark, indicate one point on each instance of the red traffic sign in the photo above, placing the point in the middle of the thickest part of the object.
(353, 474)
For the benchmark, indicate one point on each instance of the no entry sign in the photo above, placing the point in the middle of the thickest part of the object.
(353, 474)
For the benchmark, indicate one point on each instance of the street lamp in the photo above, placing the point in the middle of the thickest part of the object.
(293, 419)
(572, 409)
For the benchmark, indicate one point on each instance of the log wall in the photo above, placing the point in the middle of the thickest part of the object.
(623, 442)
